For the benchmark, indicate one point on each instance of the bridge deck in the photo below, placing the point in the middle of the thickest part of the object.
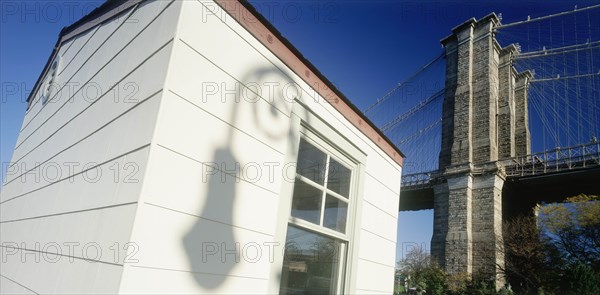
(417, 188)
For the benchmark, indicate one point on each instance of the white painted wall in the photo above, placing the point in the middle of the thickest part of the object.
(190, 64)
(182, 206)
(88, 124)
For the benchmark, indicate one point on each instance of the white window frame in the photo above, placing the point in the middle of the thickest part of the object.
(51, 78)
(320, 144)
(306, 124)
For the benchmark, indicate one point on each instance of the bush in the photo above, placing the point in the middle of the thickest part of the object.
(480, 287)
(435, 280)
(584, 281)
(505, 291)
(457, 283)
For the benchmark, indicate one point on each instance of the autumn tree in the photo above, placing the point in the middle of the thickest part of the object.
(415, 260)
(574, 228)
(556, 251)
(425, 274)
(527, 256)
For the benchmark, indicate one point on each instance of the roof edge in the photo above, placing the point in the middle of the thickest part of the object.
(102, 13)
(273, 40)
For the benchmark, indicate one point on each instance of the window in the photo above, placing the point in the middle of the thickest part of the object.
(49, 87)
(321, 188)
(317, 238)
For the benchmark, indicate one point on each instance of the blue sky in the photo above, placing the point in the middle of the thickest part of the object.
(364, 47)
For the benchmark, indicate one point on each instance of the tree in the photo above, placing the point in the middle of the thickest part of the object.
(556, 253)
(584, 281)
(559, 252)
(574, 228)
(435, 279)
(527, 256)
(415, 261)
(457, 283)
(424, 273)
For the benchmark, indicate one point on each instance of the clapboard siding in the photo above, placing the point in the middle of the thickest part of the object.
(102, 226)
(381, 195)
(368, 282)
(106, 138)
(78, 73)
(97, 76)
(376, 249)
(184, 131)
(83, 192)
(208, 93)
(182, 184)
(94, 119)
(59, 277)
(200, 123)
(165, 281)
(8, 286)
(128, 132)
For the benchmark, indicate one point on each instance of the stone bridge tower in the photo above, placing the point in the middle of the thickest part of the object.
(484, 119)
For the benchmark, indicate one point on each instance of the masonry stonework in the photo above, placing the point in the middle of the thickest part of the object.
(506, 103)
(484, 119)
(522, 137)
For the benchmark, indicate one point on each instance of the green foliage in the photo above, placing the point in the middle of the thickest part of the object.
(414, 265)
(573, 228)
(421, 285)
(505, 291)
(527, 256)
(461, 284)
(557, 253)
(584, 281)
(399, 289)
(480, 287)
(457, 283)
(434, 279)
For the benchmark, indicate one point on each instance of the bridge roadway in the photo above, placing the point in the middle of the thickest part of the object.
(548, 176)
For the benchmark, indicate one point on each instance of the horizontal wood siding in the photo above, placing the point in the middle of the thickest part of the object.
(80, 159)
(213, 112)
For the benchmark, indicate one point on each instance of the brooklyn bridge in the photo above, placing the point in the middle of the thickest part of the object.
(505, 117)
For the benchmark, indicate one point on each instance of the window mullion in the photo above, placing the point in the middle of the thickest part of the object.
(338, 196)
(341, 270)
(326, 176)
(324, 195)
(311, 186)
(309, 182)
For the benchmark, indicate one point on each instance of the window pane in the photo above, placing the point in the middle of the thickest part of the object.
(338, 179)
(335, 214)
(311, 162)
(306, 202)
(311, 263)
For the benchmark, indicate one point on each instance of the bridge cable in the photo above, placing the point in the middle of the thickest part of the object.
(387, 95)
(411, 111)
(420, 132)
(530, 20)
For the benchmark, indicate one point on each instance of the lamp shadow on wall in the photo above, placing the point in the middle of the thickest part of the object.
(211, 245)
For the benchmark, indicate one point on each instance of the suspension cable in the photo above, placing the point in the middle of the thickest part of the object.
(412, 111)
(529, 20)
(387, 95)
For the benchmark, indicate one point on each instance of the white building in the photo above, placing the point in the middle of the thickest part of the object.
(186, 147)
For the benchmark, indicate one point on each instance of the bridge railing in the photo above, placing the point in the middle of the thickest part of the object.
(551, 161)
(557, 160)
(417, 180)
